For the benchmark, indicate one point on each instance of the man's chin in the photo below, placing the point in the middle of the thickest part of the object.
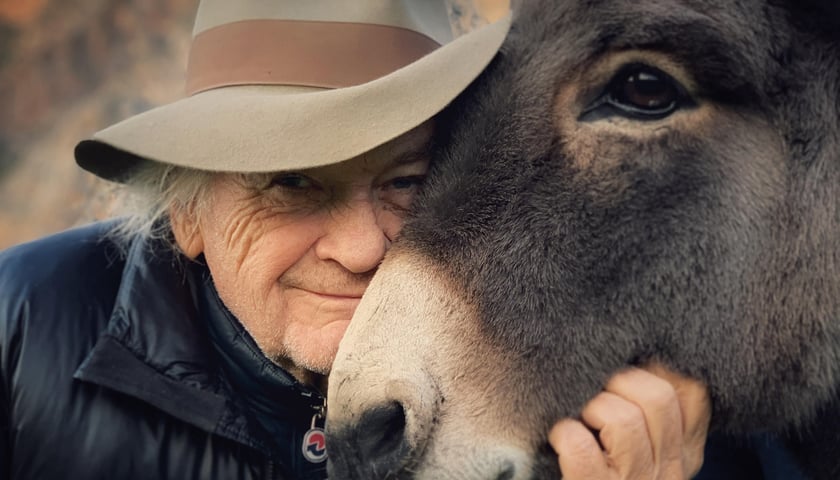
(306, 368)
(317, 355)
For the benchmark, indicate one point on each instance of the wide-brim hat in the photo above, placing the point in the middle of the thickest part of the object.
(280, 85)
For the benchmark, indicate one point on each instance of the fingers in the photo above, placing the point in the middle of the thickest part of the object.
(650, 425)
(580, 455)
(696, 409)
(646, 411)
(624, 451)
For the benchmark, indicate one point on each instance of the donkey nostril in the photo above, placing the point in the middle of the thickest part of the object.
(506, 473)
(381, 435)
(375, 447)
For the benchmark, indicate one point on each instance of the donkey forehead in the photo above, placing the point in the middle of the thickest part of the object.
(516, 194)
(755, 55)
(732, 42)
(730, 16)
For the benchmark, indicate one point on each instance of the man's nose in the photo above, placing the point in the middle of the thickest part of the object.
(354, 236)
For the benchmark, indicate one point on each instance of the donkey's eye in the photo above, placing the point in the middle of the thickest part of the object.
(639, 92)
(645, 90)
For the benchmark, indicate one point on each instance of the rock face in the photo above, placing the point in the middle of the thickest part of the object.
(71, 67)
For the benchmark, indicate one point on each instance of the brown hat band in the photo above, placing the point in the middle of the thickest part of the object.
(305, 53)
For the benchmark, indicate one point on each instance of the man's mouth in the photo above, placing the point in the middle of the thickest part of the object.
(334, 295)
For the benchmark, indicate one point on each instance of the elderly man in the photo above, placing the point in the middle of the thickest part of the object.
(193, 338)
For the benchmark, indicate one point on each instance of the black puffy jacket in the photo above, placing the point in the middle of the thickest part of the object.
(130, 368)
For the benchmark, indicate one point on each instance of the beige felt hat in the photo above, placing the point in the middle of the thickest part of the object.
(289, 84)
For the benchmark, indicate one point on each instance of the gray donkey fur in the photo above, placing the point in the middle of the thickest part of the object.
(704, 234)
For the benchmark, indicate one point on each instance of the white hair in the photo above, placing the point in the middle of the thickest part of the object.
(152, 191)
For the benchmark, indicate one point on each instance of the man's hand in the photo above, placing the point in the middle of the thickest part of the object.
(651, 424)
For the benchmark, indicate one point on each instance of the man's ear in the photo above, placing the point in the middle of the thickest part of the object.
(187, 231)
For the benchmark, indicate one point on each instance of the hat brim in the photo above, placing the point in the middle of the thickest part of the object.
(272, 128)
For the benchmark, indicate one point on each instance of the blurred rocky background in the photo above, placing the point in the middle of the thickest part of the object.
(71, 67)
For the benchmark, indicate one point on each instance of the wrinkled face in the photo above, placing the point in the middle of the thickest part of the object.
(628, 181)
(291, 253)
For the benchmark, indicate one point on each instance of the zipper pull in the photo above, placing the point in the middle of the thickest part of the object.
(314, 446)
(320, 414)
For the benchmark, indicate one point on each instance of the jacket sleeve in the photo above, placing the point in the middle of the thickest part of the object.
(5, 433)
(48, 315)
(757, 456)
(10, 313)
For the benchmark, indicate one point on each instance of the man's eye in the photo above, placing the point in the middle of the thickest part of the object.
(292, 181)
(399, 192)
(639, 92)
(401, 183)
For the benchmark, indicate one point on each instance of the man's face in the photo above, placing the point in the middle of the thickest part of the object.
(291, 253)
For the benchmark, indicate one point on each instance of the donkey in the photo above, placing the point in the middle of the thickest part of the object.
(628, 181)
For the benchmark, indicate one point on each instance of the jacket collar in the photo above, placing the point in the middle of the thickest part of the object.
(288, 412)
(267, 387)
(157, 348)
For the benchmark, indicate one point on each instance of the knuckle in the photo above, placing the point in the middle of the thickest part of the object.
(672, 471)
(607, 436)
(692, 462)
(577, 446)
(623, 436)
(645, 471)
(630, 417)
(662, 396)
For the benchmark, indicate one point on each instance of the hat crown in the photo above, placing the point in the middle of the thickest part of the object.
(428, 17)
(278, 85)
